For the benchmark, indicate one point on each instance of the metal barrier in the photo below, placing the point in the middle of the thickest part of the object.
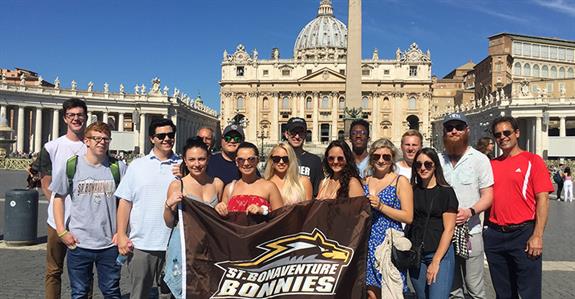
(15, 164)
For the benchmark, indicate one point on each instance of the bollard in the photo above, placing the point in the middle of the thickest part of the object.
(20, 217)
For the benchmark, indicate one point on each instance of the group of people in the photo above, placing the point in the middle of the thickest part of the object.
(103, 212)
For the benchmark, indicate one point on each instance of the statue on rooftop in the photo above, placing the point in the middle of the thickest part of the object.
(57, 83)
(74, 85)
(122, 88)
(106, 87)
(90, 86)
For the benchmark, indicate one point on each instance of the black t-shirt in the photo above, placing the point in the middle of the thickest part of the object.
(444, 201)
(310, 166)
(218, 167)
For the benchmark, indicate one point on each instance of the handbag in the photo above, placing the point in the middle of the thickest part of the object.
(410, 259)
(461, 240)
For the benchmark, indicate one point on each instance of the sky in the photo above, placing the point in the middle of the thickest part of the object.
(182, 41)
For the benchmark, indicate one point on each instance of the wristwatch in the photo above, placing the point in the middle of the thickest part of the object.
(472, 211)
(265, 210)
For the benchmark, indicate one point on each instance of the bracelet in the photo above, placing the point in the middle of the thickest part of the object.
(166, 205)
(60, 235)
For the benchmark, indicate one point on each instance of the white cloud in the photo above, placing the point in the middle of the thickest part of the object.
(563, 6)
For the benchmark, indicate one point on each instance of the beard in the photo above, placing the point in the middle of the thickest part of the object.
(456, 147)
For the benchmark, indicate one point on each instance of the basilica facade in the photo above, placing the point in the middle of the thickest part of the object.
(263, 93)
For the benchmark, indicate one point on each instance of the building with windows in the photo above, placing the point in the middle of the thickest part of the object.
(32, 108)
(263, 94)
(530, 78)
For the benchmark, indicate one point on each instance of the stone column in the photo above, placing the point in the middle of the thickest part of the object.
(174, 119)
(142, 126)
(20, 137)
(120, 122)
(275, 133)
(89, 119)
(3, 113)
(38, 131)
(55, 123)
(315, 119)
(334, 115)
(538, 136)
(375, 117)
(105, 117)
(562, 127)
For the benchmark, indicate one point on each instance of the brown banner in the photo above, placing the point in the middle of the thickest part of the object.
(316, 248)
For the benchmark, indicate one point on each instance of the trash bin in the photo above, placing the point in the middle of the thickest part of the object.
(20, 217)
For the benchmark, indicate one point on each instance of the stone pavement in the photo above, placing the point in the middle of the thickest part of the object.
(22, 268)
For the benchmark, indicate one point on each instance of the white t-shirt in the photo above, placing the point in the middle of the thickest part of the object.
(145, 185)
(60, 150)
(404, 171)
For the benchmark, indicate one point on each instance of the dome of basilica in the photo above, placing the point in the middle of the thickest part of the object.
(323, 32)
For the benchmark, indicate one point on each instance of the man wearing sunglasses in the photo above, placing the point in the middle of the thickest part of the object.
(222, 164)
(143, 194)
(514, 236)
(469, 173)
(359, 137)
(309, 164)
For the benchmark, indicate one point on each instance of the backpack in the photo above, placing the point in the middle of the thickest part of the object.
(71, 171)
(557, 178)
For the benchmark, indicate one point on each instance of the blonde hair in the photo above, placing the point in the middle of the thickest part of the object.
(382, 143)
(292, 191)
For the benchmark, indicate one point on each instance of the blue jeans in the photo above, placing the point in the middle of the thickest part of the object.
(80, 265)
(442, 286)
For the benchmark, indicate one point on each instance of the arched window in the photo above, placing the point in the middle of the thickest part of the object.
(561, 73)
(412, 103)
(266, 103)
(413, 122)
(545, 72)
(570, 73)
(342, 103)
(240, 105)
(386, 104)
(553, 72)
(364, 103)
(285, 102)
(325, 102)
(308, 103)
(517, 69)
(536, 70)
(527, 70)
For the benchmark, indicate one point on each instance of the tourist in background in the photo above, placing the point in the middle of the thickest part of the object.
(342, 178)
(486, 146)
(222, 164)
(567, 185)
(282, 169)
(250, 194)
(207, 135)
(559, 179)
(435, 210)
(411, 143)
(391, 199)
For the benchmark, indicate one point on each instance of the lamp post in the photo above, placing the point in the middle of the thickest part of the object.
(263, 134)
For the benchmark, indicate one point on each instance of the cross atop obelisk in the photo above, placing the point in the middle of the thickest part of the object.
(353, 64)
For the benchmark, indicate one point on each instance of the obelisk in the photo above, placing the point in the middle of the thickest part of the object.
(353, 63)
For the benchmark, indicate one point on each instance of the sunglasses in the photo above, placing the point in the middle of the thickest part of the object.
(229, 138)
(162, 136)
(277, 159)
(250, 160)
(505, 133)
(73, 115)
(358, 133)
(376, 157)
(427, 164)
(99, 139)
(458, 127)
(332, 159)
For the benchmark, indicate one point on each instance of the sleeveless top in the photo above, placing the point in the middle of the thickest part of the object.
(240, 203)
(326, 194)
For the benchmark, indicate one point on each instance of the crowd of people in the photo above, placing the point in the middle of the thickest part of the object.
(458, 205)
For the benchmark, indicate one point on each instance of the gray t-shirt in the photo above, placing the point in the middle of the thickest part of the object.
(93, 209)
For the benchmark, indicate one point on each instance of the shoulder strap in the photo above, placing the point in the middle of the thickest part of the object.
(71, 165)
(115, 169)
(232, 185)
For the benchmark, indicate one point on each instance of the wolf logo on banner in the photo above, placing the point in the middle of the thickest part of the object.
(299, 264)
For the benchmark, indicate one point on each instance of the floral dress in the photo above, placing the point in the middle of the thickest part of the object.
(379, 224)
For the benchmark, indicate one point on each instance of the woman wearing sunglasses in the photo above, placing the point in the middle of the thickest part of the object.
(251, 193)
(391, 199)
(435, 208)
(342, 177)
(282, 169)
